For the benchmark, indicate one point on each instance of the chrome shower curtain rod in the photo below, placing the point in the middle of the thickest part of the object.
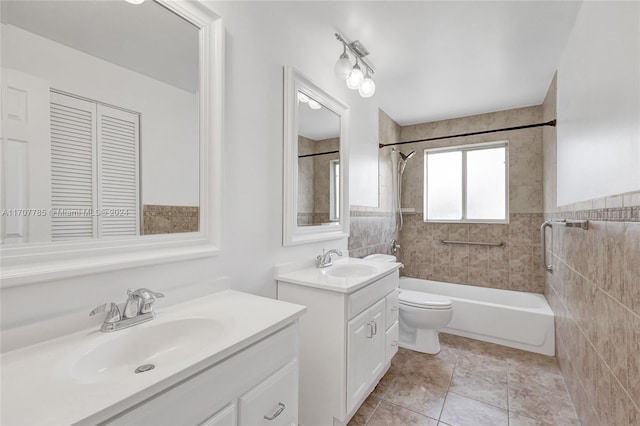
(318, 153)
(483, 132)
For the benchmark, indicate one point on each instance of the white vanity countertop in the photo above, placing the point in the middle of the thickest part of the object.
(41, 387)
(322, 278)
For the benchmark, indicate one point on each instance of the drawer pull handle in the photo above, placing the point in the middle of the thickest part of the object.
(279, 411)
(375, 328)
(370, 336)
(395, 343)
(395, 308)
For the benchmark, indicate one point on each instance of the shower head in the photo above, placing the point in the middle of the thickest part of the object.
(405, 157)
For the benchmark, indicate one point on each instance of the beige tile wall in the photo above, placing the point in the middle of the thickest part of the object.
(159, 219)
(515, 266)
(594, 291)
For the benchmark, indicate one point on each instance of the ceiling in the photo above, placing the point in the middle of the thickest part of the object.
(435, 60)
(317, 124)
(145, 38)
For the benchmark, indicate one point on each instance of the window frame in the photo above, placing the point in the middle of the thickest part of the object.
(464, 149)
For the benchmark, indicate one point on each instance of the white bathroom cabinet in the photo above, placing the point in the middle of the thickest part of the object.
(254, 387)
(347, 340)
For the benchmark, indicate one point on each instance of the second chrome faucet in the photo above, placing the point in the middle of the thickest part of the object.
(137, 309)
(323, 260)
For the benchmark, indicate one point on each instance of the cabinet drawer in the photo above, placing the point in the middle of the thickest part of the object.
(363, 298)
(393, 307)
(391, 339)
(274, 401)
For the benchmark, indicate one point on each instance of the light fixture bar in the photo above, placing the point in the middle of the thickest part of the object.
(358, 50)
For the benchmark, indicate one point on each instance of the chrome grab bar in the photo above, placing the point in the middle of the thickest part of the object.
(582, 224)
(543, 241)
(473, 243)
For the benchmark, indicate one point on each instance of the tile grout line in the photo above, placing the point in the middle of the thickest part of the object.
(453, 372)
(379, 402)
(508, 401)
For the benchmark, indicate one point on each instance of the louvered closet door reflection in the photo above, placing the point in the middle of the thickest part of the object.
(73, 164)
(118, 150)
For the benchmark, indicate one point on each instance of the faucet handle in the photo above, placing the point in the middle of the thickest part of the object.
(147, 298)
(113, 313)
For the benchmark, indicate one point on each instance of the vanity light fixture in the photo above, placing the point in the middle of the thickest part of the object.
(135, 1)
(353, 76)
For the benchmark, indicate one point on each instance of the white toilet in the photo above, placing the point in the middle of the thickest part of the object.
(421, 316)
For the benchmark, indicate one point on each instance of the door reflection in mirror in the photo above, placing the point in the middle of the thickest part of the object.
(318, 163)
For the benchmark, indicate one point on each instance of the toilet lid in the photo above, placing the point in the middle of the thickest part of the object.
(419, 299)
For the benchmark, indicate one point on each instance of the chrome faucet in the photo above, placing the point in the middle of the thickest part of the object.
(323, 260)
(137, 309)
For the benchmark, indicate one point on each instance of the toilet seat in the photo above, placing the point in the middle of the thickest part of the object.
(418, 299)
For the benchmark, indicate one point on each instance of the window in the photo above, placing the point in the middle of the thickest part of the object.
(466, 184)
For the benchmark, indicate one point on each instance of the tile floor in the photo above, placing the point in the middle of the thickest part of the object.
(469, 383)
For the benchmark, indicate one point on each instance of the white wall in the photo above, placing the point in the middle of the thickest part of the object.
(260, 40)
(169, 123)
(599, 104)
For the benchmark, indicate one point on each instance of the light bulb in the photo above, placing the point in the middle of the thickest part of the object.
(367, 87)
(135, 1)
(343, 67)
(302, 97)
(355, 78)
(314, 105)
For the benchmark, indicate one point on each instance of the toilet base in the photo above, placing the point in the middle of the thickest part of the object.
(425, 341)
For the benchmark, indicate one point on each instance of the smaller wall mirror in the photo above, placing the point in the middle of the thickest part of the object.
(315, 150)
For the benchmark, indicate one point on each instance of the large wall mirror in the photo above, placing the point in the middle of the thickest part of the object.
(109, 123)
(316, 203)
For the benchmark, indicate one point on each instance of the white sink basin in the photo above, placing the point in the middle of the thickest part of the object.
(350, 270)
(160, 345)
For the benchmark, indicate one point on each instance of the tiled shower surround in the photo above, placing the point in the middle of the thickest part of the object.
(515, 266)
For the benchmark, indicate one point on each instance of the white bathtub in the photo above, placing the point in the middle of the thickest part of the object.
(510, 318)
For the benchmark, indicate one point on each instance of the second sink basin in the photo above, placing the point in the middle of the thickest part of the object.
(350, 270)
(157, 345)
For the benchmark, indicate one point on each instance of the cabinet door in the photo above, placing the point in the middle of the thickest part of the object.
(224, 417)
(274, 401)
(360, 334)
(376, 352)
(391, 339)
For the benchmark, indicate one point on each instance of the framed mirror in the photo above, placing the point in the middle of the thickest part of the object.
(316, 205)
(112, 133)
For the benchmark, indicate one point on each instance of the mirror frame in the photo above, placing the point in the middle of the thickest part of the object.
(293, 234)
(39, 262)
